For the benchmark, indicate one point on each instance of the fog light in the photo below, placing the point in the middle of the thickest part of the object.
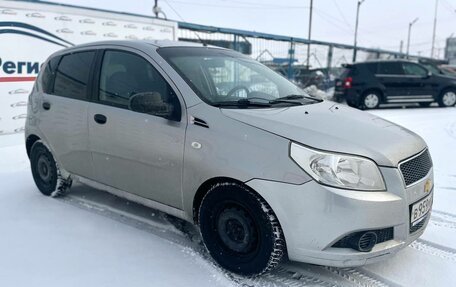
(364, 242)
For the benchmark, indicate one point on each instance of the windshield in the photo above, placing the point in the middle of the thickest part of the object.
(226, 78)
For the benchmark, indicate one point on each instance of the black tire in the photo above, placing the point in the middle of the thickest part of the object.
(370, 100)
(444, 103)
(424, 104)
(251, 241)
(46, 173)
(351, 104)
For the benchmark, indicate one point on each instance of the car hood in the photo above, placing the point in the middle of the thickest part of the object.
(334, 127)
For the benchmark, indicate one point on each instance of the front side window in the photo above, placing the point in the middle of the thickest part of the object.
(72, 75)
(390, 68)
(411, 69)
(222, 77)
(129, 81)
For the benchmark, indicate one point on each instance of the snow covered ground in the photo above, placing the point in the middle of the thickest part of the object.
(90, 238)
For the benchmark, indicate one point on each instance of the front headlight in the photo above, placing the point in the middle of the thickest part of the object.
(338, 170)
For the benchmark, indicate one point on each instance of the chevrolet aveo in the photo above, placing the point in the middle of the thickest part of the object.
(213, 137)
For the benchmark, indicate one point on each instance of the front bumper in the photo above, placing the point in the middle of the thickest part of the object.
(314, 217)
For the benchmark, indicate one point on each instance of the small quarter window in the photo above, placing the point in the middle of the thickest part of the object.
(72, 75)
(47, 79)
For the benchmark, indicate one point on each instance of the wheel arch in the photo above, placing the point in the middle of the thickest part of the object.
(204, 189)
(31, 139)
(374, 89)
(446, 88)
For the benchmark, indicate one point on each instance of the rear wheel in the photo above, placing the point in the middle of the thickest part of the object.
(240, 230)
(370, 100)
(45, 171)
(351, 104)
(447, 98)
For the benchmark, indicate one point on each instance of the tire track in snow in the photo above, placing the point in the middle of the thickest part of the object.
(434, 249)
(361, 277)
(443, 219)
(181, 233)
(282, 276)
(450, 129)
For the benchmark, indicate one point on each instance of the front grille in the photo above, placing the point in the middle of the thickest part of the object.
(382, 236)
(418, 226)
(416, 168)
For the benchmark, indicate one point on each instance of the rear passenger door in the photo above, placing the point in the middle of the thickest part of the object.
(63, 110)
(137, 152)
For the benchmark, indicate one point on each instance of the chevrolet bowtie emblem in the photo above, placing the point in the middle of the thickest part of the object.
(428, 186)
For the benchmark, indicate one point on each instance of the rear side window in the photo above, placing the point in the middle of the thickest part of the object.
(72, 75)
(47, 79)
(390, 68)
(372, 67)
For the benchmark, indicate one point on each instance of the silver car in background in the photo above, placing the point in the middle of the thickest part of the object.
(215, 138)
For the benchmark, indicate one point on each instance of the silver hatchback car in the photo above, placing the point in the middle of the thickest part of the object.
(215, 138)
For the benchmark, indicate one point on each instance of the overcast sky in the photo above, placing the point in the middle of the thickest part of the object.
(382, 23)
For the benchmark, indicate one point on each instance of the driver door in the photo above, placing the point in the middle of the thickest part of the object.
(137, 152)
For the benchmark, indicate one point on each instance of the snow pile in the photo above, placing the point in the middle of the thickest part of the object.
(314, 91)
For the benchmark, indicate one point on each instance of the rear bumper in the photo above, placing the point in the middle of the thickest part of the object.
(350, 95)
(314, 217)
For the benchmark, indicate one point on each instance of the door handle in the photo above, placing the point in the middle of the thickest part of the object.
(46, 106)
(101, 119)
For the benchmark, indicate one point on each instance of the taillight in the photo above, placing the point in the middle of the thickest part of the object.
(348, 82)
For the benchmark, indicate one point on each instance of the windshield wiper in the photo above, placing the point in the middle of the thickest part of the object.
(296, 97)
(242, 103)
(288, 100)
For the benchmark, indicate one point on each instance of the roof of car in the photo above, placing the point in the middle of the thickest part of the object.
(134, 44)
(138, 43)
(383, 61)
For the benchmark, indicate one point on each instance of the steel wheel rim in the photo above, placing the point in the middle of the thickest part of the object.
(371, 101)
(449, 98)
(236, 230)
(44, 168)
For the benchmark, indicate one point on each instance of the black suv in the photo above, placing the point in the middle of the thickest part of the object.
(366, 85)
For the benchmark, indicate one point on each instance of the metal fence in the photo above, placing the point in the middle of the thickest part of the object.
(288, 55)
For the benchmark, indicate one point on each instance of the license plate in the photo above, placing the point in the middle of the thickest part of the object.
(420, 209)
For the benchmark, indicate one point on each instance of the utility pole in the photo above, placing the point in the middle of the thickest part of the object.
(408, 37)
(356, 29)
(156, 9)
(435, 24)
(310, 33)
(400, 46)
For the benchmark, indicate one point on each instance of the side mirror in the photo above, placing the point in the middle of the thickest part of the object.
(429, 74)
(151, 103)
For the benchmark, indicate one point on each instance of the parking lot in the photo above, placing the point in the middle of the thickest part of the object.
(92, 238)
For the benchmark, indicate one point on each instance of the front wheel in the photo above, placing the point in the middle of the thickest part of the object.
(447, 98)
(240, 230)
(46, 173)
